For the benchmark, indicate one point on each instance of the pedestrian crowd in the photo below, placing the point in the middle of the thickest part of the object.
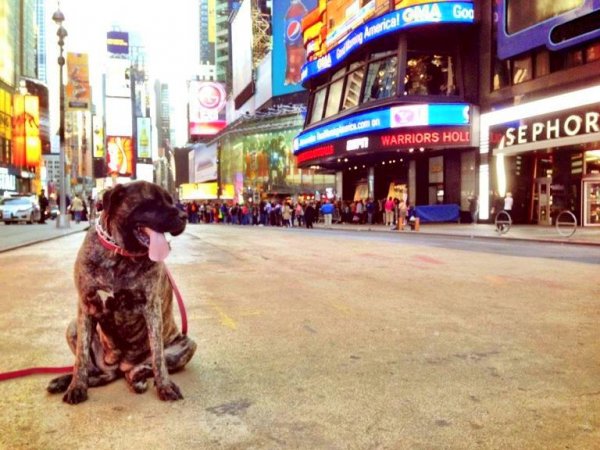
(287, 213)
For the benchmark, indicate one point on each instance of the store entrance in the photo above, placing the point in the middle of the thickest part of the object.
(591, 206)
(541, 200)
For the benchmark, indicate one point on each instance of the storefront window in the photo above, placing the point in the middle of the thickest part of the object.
(592, 162)
(381, 79)
(318, 104)
(429, 75)
(335, 93)
(353, 84)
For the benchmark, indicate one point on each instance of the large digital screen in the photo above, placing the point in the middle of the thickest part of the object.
(241, 47)
(119, 155)
(144, 138)
(289, 54)
(117, 78)
(400, 116)
(207, 101)
(204, 162)
(527, 24)
(118, 116)
(420, 14)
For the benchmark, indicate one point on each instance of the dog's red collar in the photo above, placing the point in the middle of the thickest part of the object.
(109, 244)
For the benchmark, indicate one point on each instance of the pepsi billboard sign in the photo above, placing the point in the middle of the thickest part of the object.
(425, 14)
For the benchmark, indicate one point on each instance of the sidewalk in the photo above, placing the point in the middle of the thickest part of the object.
(15, 236)
(582, 236)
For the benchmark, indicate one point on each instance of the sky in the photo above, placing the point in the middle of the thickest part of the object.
(168, 30)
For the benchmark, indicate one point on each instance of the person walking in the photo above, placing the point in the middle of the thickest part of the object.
(43, 202)
(77, 208)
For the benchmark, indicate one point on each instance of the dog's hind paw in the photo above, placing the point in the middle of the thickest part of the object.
(59, 384)
(169, 392)
(75, 395)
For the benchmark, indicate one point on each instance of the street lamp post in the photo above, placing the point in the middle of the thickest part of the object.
(62, 221)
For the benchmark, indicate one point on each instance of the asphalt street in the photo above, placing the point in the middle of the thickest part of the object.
(329, 339)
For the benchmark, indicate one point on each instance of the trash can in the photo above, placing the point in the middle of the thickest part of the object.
(415, 224)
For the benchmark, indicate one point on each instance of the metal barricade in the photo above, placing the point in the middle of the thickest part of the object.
(566, 223)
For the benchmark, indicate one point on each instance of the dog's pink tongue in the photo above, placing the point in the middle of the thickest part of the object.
(159, 247)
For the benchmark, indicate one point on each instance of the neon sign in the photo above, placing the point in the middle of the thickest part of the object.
(445, 114)
(315, 153)
(441, 12)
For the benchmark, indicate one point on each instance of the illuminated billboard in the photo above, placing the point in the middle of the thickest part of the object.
(392, 22)
(289, 54)
(144, 135)
(78, 82)
(207, 101)
(527, 24)
(117, 42)
(394, 117)
(117, 78)
(241, 48)
(27, 148)
(119, 155)
(204, 162)
(118, 116)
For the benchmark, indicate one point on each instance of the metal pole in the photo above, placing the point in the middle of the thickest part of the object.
(62, 221)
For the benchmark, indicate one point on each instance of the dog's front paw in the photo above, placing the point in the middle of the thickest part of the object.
(75, 395)
(169, 391)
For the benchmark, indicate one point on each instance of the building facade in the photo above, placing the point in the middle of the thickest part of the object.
(540, 126)
(394, 100)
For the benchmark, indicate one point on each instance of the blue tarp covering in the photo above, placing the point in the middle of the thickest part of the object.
(438, 213)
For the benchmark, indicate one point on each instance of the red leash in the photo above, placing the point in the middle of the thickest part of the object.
(66, 369)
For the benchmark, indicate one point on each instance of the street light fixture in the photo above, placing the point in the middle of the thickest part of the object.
(62, 221)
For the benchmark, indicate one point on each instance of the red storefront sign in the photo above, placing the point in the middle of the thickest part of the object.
(318, 152)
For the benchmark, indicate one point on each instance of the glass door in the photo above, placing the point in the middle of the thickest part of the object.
(543, 201)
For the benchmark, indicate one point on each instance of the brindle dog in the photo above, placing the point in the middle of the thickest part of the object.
(125, 324)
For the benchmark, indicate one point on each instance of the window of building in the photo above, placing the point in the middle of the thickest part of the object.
(381, 79)
(428, 74)
(335, 93)
(354, 81)
(522, 70)
(318, 105)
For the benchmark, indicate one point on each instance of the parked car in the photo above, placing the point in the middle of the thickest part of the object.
(20, 208)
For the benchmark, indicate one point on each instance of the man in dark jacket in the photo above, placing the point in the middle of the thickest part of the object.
(43, 201)
(309, 215)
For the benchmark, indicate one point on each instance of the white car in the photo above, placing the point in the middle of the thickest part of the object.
(22, 208)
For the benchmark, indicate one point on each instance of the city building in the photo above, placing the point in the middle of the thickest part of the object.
(393, 106)
(540, 103)
(21, 158)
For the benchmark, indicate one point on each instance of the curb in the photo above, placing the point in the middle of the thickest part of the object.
(567, 241)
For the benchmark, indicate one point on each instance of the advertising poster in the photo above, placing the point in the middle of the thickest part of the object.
(241, 47)
(205, 162)
(117, 42)
(289, 54)
(206, 107)
(118, 116)
(117, 78)
(119, 155)
(144, 133)
(78, 82)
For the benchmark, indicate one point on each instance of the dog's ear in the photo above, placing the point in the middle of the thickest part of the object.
(112, 198)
